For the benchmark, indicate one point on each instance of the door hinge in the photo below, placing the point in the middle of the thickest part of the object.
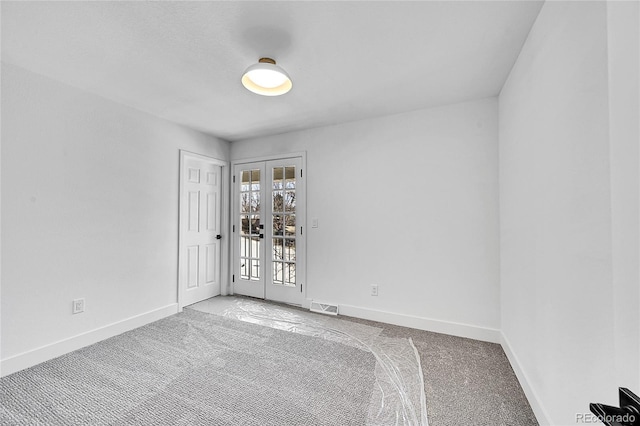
(301, 230)
(233, 278)
(301, 287)
(300, 172)
(234, 228)
(234, 178)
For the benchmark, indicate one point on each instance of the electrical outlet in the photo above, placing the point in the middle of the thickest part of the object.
(374, 290)
(78, 306)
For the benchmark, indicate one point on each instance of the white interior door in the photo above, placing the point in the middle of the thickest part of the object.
(200, 233)
(269, 230)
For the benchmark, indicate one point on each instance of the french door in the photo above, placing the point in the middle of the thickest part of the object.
(268, 230)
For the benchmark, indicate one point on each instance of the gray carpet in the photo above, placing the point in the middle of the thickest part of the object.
(467, 382)
(398, 397)
(195, 369)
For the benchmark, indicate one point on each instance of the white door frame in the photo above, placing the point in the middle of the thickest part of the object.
(234, 211)
(224, 210)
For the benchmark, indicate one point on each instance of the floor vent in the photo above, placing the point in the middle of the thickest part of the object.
(324, 308)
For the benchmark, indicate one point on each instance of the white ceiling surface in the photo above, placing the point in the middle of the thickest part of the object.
(348, 60)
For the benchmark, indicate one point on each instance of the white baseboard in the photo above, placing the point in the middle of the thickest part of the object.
(530, 393)
(44, 353)
(485, 334)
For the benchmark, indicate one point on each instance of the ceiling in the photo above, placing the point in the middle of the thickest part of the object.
(183, 61)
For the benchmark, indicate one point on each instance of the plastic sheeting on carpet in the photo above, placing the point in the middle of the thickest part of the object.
(195, 369)
(398, 397)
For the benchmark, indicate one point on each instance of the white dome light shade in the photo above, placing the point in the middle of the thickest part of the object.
(266, 78)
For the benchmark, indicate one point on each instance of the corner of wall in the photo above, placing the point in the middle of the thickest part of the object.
(529, 391)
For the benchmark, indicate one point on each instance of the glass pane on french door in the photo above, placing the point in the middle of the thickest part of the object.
(250, 225)
(283, 221)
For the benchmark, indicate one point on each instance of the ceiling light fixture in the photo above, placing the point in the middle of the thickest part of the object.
(266, 78)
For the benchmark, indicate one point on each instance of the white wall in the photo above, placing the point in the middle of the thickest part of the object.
(623, 41)
(568, 218)
(89, 209)
(408, 202)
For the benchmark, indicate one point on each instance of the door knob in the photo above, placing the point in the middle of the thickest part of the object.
(218, 237)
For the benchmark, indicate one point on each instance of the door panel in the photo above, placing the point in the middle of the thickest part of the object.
(285, 230)
(212, 210)
(194, 211)
(199, 229)
(192, 266)
(211, 268)
(249, 235)
(268, 218)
